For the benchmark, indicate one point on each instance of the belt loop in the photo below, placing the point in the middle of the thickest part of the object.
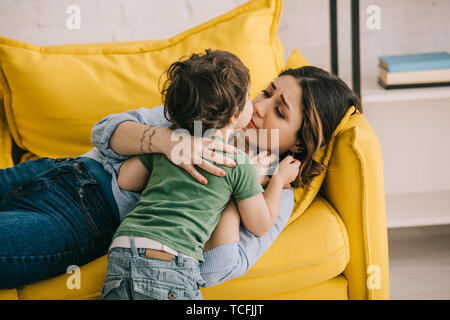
(133, 248)
(180, 259)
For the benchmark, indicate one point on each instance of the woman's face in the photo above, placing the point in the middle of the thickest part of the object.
(277, 109)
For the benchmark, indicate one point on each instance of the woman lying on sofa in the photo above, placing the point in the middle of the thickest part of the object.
(60, 212)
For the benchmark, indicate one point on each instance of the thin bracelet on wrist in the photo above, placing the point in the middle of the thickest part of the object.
(143, 139)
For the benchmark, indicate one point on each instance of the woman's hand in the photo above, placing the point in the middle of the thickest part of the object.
(185, 150)
(132, 138)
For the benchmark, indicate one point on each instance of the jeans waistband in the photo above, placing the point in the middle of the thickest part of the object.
(144, 243)
(103, 178)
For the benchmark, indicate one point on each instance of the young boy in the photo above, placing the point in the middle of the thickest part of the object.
(155, 252)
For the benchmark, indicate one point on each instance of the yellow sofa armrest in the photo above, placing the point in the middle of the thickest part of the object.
(354, 185)
(6, 160)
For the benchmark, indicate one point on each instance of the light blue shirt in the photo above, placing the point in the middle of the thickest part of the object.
(112, 161)
(218, 265)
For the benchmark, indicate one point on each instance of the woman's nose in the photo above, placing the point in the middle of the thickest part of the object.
(259, 109)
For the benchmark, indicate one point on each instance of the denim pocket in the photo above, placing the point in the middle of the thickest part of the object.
(41, 182)
(198, 278)
(195, 293)
(114, 289)
(146, 289)
(88, 205)
(59, 191)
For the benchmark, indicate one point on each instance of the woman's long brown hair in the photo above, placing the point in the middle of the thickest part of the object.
(325, 100)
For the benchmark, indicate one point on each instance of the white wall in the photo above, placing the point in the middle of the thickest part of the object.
(414, 133)
(43, 22)
(406, 25)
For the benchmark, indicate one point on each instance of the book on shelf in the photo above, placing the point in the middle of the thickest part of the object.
(414, 70)
(415, 62)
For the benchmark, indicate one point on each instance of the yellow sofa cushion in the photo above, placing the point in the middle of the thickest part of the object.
(310, 251)
(296, 60)
(53, 95)
(91, 278)
(333, 289)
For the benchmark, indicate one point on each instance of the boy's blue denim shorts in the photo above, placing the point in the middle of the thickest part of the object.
(130, 275)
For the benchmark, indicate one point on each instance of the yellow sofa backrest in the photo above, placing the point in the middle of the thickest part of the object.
(354, 185)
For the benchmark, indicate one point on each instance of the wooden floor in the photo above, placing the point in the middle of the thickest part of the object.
(419, 262)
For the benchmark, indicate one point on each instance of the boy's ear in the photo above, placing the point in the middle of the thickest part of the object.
(234, 118)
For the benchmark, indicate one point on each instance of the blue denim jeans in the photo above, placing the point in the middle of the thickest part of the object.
(130, 275)
(53, 214)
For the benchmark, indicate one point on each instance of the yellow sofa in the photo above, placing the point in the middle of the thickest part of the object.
(335, 245)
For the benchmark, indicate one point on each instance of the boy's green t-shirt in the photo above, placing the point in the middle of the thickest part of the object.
(180, 212)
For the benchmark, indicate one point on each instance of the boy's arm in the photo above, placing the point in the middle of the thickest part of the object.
(259, 212)
(217, 266)
(133, 175)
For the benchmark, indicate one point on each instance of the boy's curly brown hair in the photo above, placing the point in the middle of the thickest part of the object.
(209, 87)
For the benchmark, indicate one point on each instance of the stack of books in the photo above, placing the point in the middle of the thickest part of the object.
(414, 70)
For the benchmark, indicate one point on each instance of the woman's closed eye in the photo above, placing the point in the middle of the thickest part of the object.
(277, 111)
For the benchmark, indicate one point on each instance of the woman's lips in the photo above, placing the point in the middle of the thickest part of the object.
(252, 124)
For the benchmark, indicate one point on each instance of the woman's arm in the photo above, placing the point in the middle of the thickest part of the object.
(133, 138)
(141, 131)
(103, 130)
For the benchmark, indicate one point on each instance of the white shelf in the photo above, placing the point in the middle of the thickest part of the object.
(372, 92)
(418, 209)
